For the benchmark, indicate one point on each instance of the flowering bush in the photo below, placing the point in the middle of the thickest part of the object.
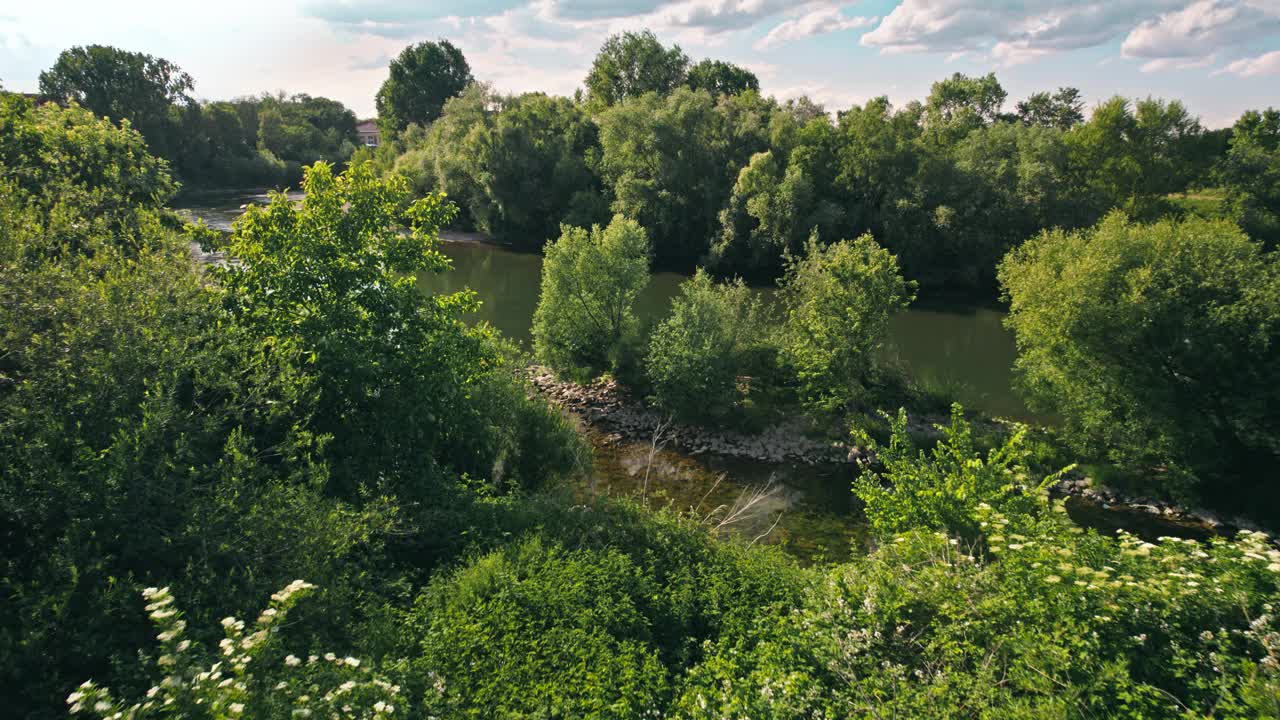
(1056, 622)
(250, 679)
(945, 489)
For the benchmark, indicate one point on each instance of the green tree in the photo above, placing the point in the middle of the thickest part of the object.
(435, 159)
(666, 161)
(1063, 109)
(1250, 174)
(838, 301)
(1159, 346)
(421, 79)
(585, 320)
(122, 85)
(406, 388)
(712, 336)
(960, 103)
(632, 64)
(532, 165)
(721, 78)
(79, 183)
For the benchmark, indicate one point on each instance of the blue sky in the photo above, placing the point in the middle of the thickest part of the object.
(1221, 57)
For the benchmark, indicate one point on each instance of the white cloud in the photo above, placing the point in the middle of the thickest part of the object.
(1191, 36)
(817, 22)
(1010, 30)
(1266, 64)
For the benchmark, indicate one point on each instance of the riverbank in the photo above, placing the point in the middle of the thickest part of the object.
(616, 417)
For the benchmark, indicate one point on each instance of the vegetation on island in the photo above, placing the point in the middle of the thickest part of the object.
(305, 437)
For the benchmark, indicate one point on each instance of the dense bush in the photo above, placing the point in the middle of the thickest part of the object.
(838, 300)
(1250, 173)
(1159, 345)
(253, 677)
(949, 488)
(585, 320)
(714, 334)
(74, 183)
(597, 615)
(965, 610)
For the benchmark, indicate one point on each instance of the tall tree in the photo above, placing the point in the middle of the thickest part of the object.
(965, 101)
(1063, 109)
(122, 85)
(721, 78)
(632, 64)
(1250, 173)
(1159, 345)
(422, 78)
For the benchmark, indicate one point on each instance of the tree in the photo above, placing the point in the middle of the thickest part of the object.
(407, 390)
(421, 79)
(1250, 174)
(838, 300)
(531, 167)
(585, 320)
(666, 160)
(1062, 110)
(632, 64)
(1158, 345)
(721, 78)
(82, 183)
(960, 103)
(697, 353)
(122, 85)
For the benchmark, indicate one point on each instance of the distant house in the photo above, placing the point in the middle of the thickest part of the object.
(367, 131)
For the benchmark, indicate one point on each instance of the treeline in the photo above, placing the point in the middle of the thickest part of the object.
(297, 486)
(258, 141)
(724, 177)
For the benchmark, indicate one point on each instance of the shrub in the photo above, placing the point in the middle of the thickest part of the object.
(253, 677)
(947, 488)
(838, 301)
(698, 352)
(585, 322)
(1060, 624)
(1159, 345)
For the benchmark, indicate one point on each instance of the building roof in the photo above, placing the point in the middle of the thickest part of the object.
(367, 126)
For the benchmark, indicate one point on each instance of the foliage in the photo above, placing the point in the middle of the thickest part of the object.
(721, 78)
(838, 300)
(665, 160)
(951, 488)
(697, 353)
(532, 168)
(1063, 109)
(631, 64)
(335, 275)
(585, 322)
(259, 680)
(1056, 622)
(422, 78)
(145, 439)
(1250, 173)
(74, 184)
(121, 85)
(437, 159)
(1157, 344)
(598, 614)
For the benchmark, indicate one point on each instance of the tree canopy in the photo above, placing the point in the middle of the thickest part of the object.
(422, 77)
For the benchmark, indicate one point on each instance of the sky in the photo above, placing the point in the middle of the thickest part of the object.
(1220, 57)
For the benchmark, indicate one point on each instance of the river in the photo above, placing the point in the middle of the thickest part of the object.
(810, 512)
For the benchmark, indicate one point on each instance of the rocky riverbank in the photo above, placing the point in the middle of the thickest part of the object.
(608, 407)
